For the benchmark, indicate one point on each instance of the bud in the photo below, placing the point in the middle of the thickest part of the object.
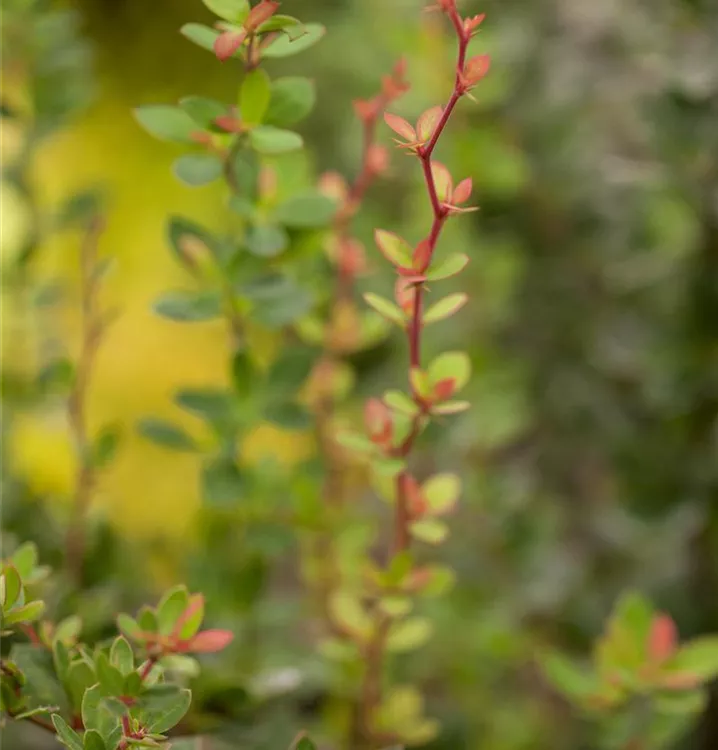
(334, 186)
(229, 123)
(378, 421)
(201, 137)
(366, 109)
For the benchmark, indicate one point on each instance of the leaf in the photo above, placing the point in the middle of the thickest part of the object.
(409, 634)
(303, 743)
(68, 737)
(306, 211)
(385, 308)
(93, 740)
(172, 605)
(429, 531)
(284, 46)
(400, 402)
(223, 484)
(445, 308)
(192, 617)
(164, 718)
(166, 434)
(12, 586)
(122, 656)
(25, 559)
(451, 266)
(267, 241)
(27, 613)
(292, 99)
(202, 110)
(201, 35)
(427, 122)
(355, 442)
(105, 446)
(348, 612)
(111, 679)
(80, 677)
(442, 181)
(267, 139)
(209, 404)
(288, 415)
(451, 407)
(698, 658)
(128, 626)
(196, 170)
(441, 493)
(254, 97)
(166, 123)
(570, 679)
(454, 365)
(290, 371)
(234, 11)
(281, 22)
(189, 307)
(395, 249)
(185, 235)
(211, 641)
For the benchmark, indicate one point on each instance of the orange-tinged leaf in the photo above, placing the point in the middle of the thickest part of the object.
(210, 641)
(400, 126)
(422, 256)
(228, 43)
(476, 68)
(427, 122)
(662, 639)
(395, 249)
(462, 193)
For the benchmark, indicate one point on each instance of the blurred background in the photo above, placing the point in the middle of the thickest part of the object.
(590, 457)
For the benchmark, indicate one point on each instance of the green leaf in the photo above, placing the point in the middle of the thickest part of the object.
(267, 240)
(165, 434)
(37, 666)
(68, 737)
(396, 606)
(409, 634)
(394, 248)
(290, 371)
(172, 605)
(27, 613)
(12, 586)
(348, 612)
(289, 416)
(209, 404)
(60, 658)
(234, 11)
(25, 559)
(698, 658)
(121, 655)
(196, 170)
(167, 713)
(445, 308)
(243, 373)
(111, 679)
(429, 531)
(266, 139)
(202, 110)
(400, 402)
(128, 626)
(254, 97)
(306, 211)
(571, 680)
(183, 235)
(355, 442)
(453, 265)
(189, 307)
(442, 493)
(105, 446)
(69, 629)
(147, 620)
(223, 484)
(102, 715)
(451, 407)
(281, 22)
(284, 46)
(80, 677)
(201, 35)
(292, 99)
(93, 740)
(278, 303)
(304, 743)
(453, 365)
(386, 308)
(166, 123)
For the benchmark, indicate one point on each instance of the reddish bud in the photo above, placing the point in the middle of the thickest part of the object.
(333, 185)
(444, 389)
(260, 13)
(378, 420)
(351, 258)
(229, 123)
(421, 257)
(662, 639)
(209, 641)
(366, 110)
(199, 136)
(226, 44)
(471, 24)
(377, 159)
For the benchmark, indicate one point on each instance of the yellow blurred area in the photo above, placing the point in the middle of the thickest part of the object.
(144, 359)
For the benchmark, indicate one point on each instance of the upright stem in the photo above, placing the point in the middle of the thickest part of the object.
(371, 693)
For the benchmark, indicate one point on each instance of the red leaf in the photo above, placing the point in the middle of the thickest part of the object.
(476, 68)
(422, 256)
(226, 44)
(404, 294)
(196, 604)
(378, 421)
(444, 389)
(261, 13)
(415, 500)
(209, 641)
(462, 192)
(662, 639)
(471, 24)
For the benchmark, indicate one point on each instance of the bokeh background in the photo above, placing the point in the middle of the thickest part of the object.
(590, 458)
